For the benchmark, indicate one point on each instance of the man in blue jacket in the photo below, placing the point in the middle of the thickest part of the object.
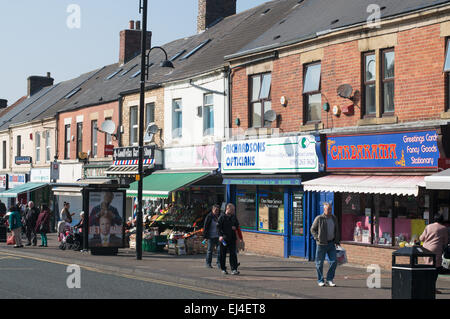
(15, 224)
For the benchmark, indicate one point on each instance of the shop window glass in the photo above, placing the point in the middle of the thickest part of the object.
(270, 212)
(382, 216)
(409, 222)
(246, 208)
(354, 226)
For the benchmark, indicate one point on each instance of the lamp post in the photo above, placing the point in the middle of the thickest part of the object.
(143, 6)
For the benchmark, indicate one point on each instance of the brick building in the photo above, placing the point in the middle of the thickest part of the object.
(351, 83)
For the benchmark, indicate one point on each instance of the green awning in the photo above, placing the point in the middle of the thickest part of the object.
(159, 185)
(27, 187)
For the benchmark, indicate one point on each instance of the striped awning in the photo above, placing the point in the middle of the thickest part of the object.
(393, 185)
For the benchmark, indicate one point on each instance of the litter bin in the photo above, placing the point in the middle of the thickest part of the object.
(414, 280)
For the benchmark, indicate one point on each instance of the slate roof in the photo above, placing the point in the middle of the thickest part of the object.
(311, 17)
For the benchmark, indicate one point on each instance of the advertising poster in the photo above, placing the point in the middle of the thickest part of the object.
(105, 219)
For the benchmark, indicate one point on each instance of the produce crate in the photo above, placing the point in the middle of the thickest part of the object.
(155, 244)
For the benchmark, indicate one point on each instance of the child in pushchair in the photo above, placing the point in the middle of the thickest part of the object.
(70, 240)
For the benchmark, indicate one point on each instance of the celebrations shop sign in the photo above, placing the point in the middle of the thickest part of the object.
(405, 150)
(272, 155)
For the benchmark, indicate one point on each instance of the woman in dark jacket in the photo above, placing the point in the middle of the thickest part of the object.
(43, 224)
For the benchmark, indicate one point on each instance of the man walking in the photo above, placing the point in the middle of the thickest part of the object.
(227, 226)
(325, 231)
(31, 216)
(212, 235)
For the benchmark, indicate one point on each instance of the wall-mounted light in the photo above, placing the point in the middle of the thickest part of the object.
(326, 107)
(237, 121)
(283, 101)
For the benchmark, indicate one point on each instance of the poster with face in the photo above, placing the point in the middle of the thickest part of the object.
(105, 219)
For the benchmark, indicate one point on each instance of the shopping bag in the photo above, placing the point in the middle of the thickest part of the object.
(446, 258)
(11, 240)
(341, 255)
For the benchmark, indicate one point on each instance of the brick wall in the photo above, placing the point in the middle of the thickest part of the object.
(264, 244)
(419, 80)
(156, 96)
(365, 256)
(89, 114)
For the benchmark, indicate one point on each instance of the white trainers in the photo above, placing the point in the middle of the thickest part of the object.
(331, 284)
(321, 284)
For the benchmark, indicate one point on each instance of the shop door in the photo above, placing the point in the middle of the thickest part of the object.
(296, 225)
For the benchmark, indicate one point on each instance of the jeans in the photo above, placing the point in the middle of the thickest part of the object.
(212, 243)
(44, 239)
(321, 251)
(231, 248)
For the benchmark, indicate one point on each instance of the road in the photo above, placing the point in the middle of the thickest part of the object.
(32, 278)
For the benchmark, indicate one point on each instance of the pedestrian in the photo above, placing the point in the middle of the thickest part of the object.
(31, 216)
(15, 224)
(66, 220)
(325, 231)
(239, 238)
(226, 227)
(435, 239)
(211, 233)
(43, 224)
(2, 209)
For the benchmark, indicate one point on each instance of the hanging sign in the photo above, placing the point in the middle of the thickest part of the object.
(399, 151)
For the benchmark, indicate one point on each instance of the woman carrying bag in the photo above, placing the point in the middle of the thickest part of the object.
(43, 224)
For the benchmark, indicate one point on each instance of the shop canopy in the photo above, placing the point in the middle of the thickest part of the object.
(24, 188)
(159, 185)
(393, 185)
(439, 180)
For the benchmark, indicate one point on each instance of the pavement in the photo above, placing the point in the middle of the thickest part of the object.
(260, 277)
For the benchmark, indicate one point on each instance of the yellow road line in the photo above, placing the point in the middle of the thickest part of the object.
(151, 280)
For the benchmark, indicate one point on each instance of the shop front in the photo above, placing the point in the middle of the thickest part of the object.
(377, 188)
(263, 178)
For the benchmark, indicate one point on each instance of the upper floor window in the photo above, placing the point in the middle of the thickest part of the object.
(447, 72)
(79, 138)
(108, 137)
(149, 114)
(38, 147)
(312, 98)
(260, 100)
(177, 118)
(47, 146)
(133, 125)
(67, 142)
(19, 145)
(375, 105)
(208, 114)
(94, 138)
(4, 154)
(387, 77)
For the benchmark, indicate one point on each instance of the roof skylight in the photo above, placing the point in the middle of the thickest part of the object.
(198, 47)
(72, 93)
(113, 74)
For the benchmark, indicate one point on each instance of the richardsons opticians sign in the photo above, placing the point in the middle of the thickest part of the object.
(403, 150)
(271, 155)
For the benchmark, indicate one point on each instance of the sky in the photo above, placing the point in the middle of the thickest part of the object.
(43, 36)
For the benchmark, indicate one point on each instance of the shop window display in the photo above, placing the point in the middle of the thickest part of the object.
(368, 218)
(271, 212)
(246, 208)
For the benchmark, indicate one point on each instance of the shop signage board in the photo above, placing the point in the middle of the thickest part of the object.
(3, 181)
(191, 157)
(130, 155)
(23, 160)
(15, 180)
(39, 175)
(297, 214)
(397, 151)
(272, 155)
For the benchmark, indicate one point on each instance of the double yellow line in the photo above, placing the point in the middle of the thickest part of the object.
(5, 255)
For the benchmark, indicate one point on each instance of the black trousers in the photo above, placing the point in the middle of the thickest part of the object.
(231, 249)
(31, 235)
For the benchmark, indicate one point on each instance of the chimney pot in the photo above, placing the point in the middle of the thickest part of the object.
(48, 74)
(138, 25)
(131, 24)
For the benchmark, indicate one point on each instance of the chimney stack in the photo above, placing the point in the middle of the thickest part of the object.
(37, 83)
(210, 11)
(130, 42)
(3, 103)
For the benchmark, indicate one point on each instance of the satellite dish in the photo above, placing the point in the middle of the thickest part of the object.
(270, 116)
(151, 130)
(345, 91)
(109, 127)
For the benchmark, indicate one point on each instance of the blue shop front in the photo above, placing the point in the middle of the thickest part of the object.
(263, 178)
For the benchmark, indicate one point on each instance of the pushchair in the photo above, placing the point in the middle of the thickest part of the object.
(70, 240)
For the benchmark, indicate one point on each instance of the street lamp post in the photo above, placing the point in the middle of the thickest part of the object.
(144, 8)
